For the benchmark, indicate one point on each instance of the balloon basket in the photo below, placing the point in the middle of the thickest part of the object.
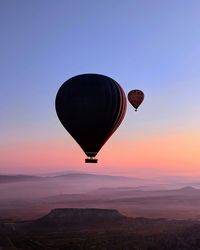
(91, 160)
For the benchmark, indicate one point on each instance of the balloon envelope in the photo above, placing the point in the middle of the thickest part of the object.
(90, 107)
(135, 97)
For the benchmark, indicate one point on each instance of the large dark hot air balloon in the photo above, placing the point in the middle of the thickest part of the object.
(135, 97)
(90, 107)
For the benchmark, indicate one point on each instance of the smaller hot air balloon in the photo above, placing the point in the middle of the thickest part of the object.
(135, 97)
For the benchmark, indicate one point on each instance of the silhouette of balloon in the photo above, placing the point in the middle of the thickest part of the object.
(91, 107)
(135, 97)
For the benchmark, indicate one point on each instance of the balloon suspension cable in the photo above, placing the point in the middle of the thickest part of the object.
(91, 160)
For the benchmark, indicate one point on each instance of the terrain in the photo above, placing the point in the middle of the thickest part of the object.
(88, 211)
(84, 229)
(29, 197)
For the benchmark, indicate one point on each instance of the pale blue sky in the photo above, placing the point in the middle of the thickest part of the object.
(153, 45)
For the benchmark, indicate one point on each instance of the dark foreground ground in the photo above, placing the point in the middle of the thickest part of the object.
(98, 229)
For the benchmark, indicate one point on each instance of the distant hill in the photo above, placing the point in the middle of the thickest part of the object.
(68, 176)
(179, 179)
(122, 194)
(17, 178)
(94, 176)
(33, 187)
(53, 174)
(189, 189)
(137, 192)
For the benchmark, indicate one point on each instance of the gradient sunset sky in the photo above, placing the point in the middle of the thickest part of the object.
(153, 45)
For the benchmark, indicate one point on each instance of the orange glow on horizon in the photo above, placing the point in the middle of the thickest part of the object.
(172, 153)
(177, 152)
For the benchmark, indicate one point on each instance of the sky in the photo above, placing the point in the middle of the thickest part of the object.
(152, 45)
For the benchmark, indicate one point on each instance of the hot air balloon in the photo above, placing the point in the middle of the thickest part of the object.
(90, 107)
(135, 97)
